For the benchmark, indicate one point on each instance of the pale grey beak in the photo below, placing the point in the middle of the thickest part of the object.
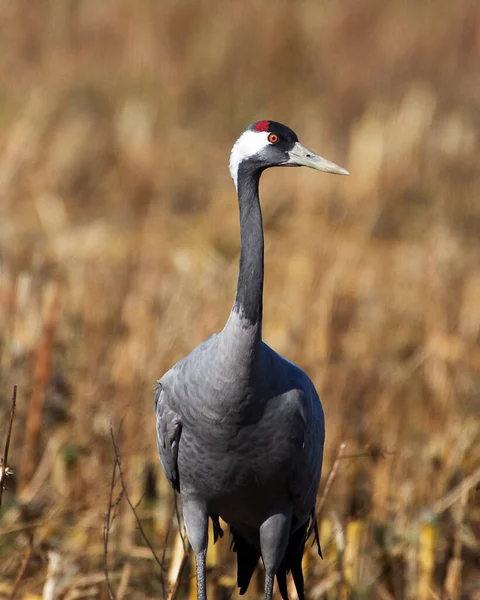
(300, 156)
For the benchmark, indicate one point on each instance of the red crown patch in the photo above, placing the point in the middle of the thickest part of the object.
(262, 126)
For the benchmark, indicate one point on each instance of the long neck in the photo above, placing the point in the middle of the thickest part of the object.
(248, 300)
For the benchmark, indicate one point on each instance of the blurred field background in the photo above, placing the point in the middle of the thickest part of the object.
(119, 244)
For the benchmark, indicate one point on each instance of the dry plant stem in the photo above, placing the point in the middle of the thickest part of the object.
(123, 586)
(176, 569)
(434, 595)
(132, 507)
(464, 486)
(60, 572)
(56, 514)
(327, 583)
(40, 377)
(106, 532)
(4, 463)
(165, 546)
(331, 478)
(380, 454)
(453, 578)
(44, 468)
(179, 523)
(383, 592)
(21, 571)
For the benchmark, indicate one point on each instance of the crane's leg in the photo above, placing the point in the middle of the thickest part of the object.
(196, 524)
(201, 573)
(274, 535)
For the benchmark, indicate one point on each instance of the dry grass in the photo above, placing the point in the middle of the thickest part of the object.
(119, 250)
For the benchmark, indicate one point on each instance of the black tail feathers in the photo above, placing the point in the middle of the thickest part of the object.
(247, 559)
(292, 561)
(248, 555)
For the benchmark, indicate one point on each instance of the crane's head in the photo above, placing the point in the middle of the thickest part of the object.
(270, 144)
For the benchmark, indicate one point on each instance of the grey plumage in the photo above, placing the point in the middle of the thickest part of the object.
(240, 429)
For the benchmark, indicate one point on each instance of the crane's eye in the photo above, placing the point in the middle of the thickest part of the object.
(273, 138)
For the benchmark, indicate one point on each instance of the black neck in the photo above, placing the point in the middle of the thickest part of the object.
(248, 301)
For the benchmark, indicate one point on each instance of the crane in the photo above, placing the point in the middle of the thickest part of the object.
(240, 429)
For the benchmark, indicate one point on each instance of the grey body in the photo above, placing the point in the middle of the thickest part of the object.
(252, 431)
(240, 429)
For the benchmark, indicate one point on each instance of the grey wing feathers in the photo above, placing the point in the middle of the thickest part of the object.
(308, 435)
(169, 429)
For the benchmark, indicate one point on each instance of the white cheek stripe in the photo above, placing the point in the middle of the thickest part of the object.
(248, 144)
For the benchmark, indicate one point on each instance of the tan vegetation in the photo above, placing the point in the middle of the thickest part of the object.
(119, 250)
